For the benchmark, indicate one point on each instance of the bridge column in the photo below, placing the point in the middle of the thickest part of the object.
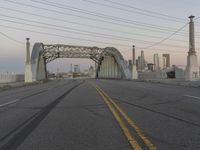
(45, 69)
(134, 70)
(109, 67)
(103, 67)
(41, 75)
(28, 71)
(113, 67)
(192, 69)
(101, 71)
(119, 72)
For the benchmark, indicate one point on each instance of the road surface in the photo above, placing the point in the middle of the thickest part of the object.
(100, 115)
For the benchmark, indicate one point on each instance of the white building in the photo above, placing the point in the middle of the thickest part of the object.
(161, 62)
(156, 62)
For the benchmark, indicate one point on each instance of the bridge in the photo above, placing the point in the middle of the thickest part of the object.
(110, 62)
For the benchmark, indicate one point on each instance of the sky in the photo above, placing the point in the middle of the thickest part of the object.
(154, 26)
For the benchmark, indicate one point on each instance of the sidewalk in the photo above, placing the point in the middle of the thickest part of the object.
(6, 86)
(173, 82)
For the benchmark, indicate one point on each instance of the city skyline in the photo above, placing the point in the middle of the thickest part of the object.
(99, 74)
(83, 23)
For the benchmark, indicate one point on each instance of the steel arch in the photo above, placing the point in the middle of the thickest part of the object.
(45, 53)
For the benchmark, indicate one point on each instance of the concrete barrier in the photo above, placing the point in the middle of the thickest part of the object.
(10, 77)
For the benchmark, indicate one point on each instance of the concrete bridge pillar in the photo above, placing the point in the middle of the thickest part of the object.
(28, 71)
(134, 70)
(192, 69)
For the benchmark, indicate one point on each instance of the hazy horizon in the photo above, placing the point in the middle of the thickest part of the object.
(104, 23)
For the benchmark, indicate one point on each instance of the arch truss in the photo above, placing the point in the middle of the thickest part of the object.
(110, 63)
(51, 52)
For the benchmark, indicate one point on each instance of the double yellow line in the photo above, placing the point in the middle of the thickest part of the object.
(118, 113)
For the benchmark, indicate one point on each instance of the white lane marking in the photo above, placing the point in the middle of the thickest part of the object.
(14, 101)
(192, 96)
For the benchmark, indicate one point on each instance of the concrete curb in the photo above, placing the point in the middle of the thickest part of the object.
(195, 84)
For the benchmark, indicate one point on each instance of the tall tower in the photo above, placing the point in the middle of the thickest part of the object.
(192, 69)
(166, 58)
(134, 70)
(28, 71)
(133, 55)
(156, 62)
(142, 61)
(27, 51)
(139, 64)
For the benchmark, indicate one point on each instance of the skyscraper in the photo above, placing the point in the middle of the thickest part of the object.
(156, 62)
(166, 60)
(142, 61)
(139, 63)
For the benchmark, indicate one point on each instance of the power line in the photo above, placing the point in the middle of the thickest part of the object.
(88, 18)
(64, 6)
(157, 43)
(68, 37)
(157, 49)
(86, 25)
(131, 11)
(162, 50)
(14, 2)
(89, 33)
(94, 34)
(10, 38)
(143, 10)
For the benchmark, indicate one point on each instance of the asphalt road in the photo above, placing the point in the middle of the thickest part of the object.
(100, 115)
